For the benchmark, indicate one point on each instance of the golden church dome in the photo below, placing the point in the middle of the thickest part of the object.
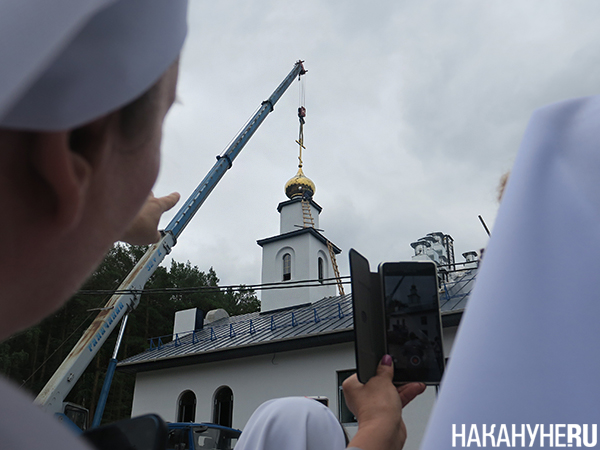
(298, 185)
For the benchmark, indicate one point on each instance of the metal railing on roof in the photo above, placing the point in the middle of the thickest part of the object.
(293, 318)
(270, 323)
(461, 283)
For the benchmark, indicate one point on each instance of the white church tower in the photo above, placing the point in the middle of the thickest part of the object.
(300, 252)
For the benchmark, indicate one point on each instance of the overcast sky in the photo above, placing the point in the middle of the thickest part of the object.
(414, 111)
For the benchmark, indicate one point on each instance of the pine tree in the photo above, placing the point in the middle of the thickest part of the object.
(31, 357)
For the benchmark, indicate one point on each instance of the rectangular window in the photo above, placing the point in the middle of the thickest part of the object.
(345, 414)
(320, 399)
(287, 267)
(320, 269)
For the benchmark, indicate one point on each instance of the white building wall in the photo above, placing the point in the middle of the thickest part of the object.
(305, 251)
(449, 336)
(291, 218)
(254, 380)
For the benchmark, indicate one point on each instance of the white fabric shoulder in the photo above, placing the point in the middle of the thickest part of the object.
(292, 423)
(31, 34)
(67, 62)
(26, 426)
(526, 350)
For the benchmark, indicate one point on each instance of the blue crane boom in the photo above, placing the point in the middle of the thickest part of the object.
(225, 161)
(52, 396)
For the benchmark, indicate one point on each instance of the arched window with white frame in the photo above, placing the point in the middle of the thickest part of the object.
(287, 267)
(223, 407)
(186, 407)
(320, 269)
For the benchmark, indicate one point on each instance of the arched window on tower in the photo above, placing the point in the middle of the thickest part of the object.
(287, 267)
(186, 408)
(223, 407)
(320, 269)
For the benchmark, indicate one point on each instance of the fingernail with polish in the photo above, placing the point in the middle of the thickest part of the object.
(386, 360)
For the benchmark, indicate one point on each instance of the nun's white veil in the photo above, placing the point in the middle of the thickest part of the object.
(292, 423)
(63, 63)
(66, 62)
(527, 348)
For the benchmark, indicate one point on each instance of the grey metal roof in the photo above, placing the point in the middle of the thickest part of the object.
(456, 291)
(325, 318)
(324, 322)
(454, 295)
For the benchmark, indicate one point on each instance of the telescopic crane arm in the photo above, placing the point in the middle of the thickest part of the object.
(52, 396)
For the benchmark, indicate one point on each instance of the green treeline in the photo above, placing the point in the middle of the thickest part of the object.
(31, 357)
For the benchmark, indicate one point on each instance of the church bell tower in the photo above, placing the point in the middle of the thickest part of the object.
(300, 254)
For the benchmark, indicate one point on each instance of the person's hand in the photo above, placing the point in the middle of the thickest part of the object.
(378, 407)
(144, 228)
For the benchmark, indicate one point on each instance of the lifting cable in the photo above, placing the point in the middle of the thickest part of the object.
(300, 142)
(301, 116)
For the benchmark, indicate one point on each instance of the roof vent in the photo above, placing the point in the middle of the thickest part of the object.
(187, 320)
(470, 259)
(215, 314)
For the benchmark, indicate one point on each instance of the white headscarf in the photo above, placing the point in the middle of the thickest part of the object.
(66, 62)
(527, 348)
(292, 423)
